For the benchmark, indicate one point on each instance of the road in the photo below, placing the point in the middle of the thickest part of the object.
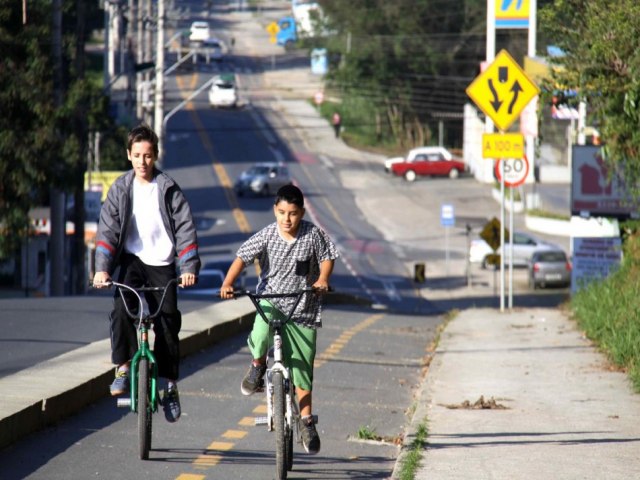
(371, 360)
(370, 366)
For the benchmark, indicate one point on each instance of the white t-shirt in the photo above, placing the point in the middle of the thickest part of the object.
(147, 239)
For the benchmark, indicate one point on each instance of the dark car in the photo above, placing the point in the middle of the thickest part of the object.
(431, 164)
(549, 268)
(263, 179)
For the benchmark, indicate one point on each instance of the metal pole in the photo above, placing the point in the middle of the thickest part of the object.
(159, 97)
(57, 199)
(502, 242)
(511, 252)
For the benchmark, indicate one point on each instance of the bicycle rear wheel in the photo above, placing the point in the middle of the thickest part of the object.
(278, 418)
(144, 410)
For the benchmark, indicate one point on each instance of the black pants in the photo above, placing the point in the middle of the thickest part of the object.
(124, 338)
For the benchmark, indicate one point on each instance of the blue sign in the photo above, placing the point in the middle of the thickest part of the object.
(319, 61)
(447, 216)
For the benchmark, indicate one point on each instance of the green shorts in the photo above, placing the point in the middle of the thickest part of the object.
(298, 345)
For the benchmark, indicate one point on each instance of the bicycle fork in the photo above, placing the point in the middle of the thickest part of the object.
(291, 407)
(143, 351)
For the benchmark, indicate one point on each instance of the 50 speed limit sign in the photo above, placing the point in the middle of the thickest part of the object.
(514, 170)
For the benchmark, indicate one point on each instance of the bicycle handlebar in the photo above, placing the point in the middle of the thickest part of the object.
(256, 297)
(136, 291)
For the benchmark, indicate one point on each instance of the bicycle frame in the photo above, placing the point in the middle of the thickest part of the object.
(292, 410)
(145, 319)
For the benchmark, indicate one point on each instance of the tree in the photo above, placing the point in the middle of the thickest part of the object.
(601, 44)
(42, 146)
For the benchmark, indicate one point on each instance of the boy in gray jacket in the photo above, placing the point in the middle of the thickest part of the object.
(145, 223)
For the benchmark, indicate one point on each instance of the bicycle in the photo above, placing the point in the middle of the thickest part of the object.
(144, 394)
(283, 412)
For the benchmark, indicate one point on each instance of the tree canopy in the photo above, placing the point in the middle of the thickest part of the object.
(601, 44)
(42, 141)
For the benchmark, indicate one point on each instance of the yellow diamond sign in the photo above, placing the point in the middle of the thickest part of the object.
(502, 90)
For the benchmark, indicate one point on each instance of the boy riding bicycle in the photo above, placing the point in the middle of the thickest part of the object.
(292, 254)
(144, 222)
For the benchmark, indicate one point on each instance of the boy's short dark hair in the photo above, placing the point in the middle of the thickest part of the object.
(143, 133)
(290, 194)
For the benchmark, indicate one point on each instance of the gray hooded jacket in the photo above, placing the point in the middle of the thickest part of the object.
(116, 214)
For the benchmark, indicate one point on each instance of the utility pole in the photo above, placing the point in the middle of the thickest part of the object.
(57, 256)
(159, 97)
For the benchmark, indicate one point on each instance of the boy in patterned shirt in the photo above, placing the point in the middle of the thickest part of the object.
(293, 254)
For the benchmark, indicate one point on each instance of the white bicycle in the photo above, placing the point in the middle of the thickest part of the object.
(282, 406)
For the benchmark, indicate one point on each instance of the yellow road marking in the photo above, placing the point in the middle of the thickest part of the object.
(190, 476)
(235, 434)
(221, 446)
(247, 422)
(205, 461)
(260, 409)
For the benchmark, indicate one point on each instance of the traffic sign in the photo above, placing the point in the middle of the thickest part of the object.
(502, 90)
(273, 30)
(447, 216)
(514, 170)
(502, 145)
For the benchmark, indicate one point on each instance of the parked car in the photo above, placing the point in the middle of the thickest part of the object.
(524, 246)
(263, 179)
(199, 32)
(419, 153)
(549, 268)
(429, 164)
(223, 91)
(210, 279)
(213, 48)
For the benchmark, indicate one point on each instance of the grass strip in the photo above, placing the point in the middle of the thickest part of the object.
(410, 462)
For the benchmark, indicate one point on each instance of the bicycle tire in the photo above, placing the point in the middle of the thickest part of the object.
(144, 410)
(289, 446)
(278, 418)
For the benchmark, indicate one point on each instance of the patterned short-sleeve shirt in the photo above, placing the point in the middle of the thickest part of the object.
(288, 266)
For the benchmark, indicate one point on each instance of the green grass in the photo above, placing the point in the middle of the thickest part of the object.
(537, 212)
(608, 312)
(410, 462)
(367, 433)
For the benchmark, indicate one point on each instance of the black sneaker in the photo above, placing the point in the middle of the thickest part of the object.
(253, 381)
(171, 404)
(310, 437)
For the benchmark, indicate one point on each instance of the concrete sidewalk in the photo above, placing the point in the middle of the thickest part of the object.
(552, 406)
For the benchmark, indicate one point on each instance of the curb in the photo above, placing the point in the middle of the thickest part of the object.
(91, 371)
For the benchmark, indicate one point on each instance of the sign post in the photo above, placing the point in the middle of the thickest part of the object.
(502, 91)
(447, 220)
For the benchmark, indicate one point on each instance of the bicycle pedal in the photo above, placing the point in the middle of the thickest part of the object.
(123, 402)
(261, 421)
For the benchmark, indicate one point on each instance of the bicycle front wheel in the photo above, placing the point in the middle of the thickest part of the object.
(278, 418)
(144, 409)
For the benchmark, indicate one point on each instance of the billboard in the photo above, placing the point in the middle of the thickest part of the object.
(594, 191)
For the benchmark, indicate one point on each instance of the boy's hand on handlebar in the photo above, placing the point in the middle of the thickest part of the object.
(321, 286)
(187, 279)
(226, 291)
(101, 280)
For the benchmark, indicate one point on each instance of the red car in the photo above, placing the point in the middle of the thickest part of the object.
(434, 164)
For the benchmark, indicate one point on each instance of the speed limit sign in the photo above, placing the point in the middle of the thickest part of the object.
(514, 170)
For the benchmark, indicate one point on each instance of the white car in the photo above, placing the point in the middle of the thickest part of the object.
(223, 91)
(199, 32)
(418, 154)
(524, 246)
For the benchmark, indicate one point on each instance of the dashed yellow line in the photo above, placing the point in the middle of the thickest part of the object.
(336, 346)
(235, 434)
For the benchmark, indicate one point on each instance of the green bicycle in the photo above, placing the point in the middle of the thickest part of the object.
(144, 397)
